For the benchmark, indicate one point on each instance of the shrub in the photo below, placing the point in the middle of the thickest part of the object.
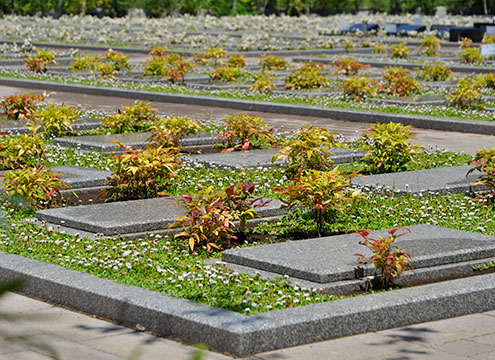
(379, 49)
(263, 82)
(311, 148)
(387, 258)
(484, 162)
(19, 151)
(243, 132)
(488, 39)
(37, 186)
(430, 45)
(398, 82)
(56, 119)
(210, 214)
(308, 76)
(215, 53)
(238, 61)
(489, 81)
(388, 147)
(21, 106)
(435, 72)
(207, 221)
(323, 192)
(348, 45)
(137, 117)
(273, 62)
(347, 66)
(173, 67)
(466, 95)
(465, 43)
(117, 59)
(227, 73)
(359, 87)
(40, 61)
(400, 51)
(169, 131)
(142, 174)
(106, 70)
(86, 63)
(471, 55)
(158, 50)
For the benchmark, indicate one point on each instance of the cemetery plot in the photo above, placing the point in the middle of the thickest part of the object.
(126, 218)
(330, 261)
(440, 180)
(106, 143)
(263, 158)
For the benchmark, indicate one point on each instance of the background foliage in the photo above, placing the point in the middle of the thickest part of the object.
(156, 8)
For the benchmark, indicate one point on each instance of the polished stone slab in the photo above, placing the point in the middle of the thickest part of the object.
(263, 158)
(78, 177)
(106, 143)
(124, 217)
(330, 259)
(441, 180)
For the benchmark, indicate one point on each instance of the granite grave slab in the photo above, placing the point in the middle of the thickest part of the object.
(106, 143)
(127, 217)
(78, 177)
(441, 180)
(331, 259)
(19, 126)
(263, 158)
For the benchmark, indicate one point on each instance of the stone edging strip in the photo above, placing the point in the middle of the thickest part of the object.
(424, 122)
(243, 335)
(378, 64)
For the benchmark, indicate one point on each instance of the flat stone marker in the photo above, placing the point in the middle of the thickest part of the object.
(105, 143)
(330, 259)
(126, 217)
(78, 177)
(263, 158)
(19, 126)
(442, 180)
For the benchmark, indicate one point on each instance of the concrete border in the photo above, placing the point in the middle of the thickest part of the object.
(424, 122)
(243, 335)
(378, 64)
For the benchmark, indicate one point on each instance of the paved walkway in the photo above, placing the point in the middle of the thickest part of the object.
(73, 335)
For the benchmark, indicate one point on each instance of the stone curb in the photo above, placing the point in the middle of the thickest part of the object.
(138, 50)
(463, 69)
(243, 335)
(424, 122)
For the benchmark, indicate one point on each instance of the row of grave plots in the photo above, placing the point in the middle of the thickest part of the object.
(326, 263)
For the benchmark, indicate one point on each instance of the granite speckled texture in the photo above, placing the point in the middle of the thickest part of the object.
(128, 216)
(329, 259)
(441, 180)
(263, 158)
(106, 143)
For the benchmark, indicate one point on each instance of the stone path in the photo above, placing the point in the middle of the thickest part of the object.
(77, 336)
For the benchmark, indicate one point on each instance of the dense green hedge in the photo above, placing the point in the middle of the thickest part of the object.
(155, 8)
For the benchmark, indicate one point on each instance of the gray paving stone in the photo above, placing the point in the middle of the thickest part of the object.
(106, 143)
(263, 158)
(128, 216)
(441, 180)
(329, 259)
